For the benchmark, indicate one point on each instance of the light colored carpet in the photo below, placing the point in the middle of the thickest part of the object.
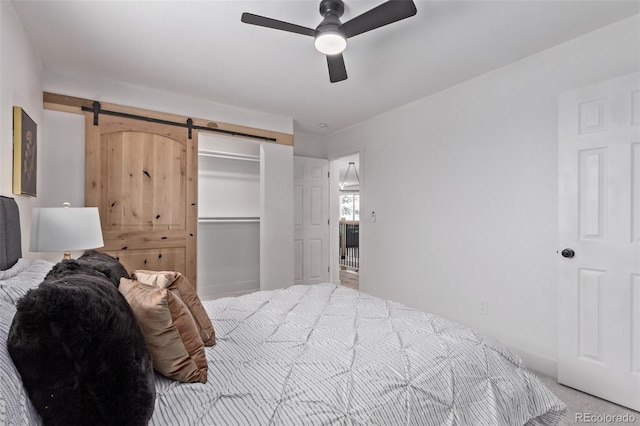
(581, 405)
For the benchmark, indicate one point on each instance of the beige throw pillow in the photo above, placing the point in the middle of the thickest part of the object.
(179, 285)
(169, 330)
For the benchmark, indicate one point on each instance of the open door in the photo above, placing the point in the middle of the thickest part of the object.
(311, 220)
(599, 218)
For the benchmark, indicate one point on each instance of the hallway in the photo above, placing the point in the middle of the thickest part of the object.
(350, 279)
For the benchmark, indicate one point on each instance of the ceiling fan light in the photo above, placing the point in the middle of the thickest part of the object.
(330, 43)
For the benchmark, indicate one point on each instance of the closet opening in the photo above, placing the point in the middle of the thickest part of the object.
(228, 216)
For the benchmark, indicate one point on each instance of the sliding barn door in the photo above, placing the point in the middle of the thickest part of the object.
(143, 179)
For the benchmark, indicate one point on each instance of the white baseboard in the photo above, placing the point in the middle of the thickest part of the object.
(537, 363)
(214, 291)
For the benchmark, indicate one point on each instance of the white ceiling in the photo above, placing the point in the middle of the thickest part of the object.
(201, 49)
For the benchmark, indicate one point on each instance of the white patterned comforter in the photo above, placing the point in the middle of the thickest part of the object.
(329, 355)
(22, 277)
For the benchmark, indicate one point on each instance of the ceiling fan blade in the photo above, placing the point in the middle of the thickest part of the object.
(337, 70)
(384, 14)
(250, 18)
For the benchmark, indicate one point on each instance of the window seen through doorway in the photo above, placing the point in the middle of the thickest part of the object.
(350, 207)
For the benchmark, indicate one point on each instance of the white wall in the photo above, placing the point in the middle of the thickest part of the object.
(308, 145)
(61, 168)
(464, 185)
(276, 216)
(103, 90)
(228, 258)
(20, 85)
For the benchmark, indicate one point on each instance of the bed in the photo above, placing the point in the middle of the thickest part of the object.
(322, 354)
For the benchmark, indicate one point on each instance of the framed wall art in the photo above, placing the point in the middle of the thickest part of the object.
(25, 158)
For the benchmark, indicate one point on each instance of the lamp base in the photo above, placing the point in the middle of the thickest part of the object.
(67, 255)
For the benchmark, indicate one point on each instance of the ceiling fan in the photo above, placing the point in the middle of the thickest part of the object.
(331, 35)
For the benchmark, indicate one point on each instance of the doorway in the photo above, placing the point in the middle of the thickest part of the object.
(346, 250)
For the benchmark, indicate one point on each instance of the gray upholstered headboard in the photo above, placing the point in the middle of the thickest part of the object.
(10, 239)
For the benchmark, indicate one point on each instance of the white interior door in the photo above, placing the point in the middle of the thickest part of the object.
(599, 219)
(311, 220)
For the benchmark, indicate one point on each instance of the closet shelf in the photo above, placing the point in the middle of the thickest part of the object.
(228, 155)
(229, 219)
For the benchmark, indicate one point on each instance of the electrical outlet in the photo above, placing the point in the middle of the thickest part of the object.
(484, 307)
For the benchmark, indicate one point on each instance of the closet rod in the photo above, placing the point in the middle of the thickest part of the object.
(230, 155)
(97, 110)
(228, 219)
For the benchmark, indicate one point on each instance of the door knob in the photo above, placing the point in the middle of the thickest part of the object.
(568, 253)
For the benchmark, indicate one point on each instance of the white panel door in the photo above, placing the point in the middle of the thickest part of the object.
(599, 219)
(311, 220)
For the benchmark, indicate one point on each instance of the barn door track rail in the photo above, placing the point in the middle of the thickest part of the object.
(57, 102)
(96, 108)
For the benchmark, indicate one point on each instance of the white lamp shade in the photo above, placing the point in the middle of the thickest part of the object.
(65, 229)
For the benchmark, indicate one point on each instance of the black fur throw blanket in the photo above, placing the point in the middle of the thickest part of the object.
(108, 265)
(80, 352)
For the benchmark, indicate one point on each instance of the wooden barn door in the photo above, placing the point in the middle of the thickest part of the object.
(143, 178)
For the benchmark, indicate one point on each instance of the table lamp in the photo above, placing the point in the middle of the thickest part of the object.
(65, 229)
